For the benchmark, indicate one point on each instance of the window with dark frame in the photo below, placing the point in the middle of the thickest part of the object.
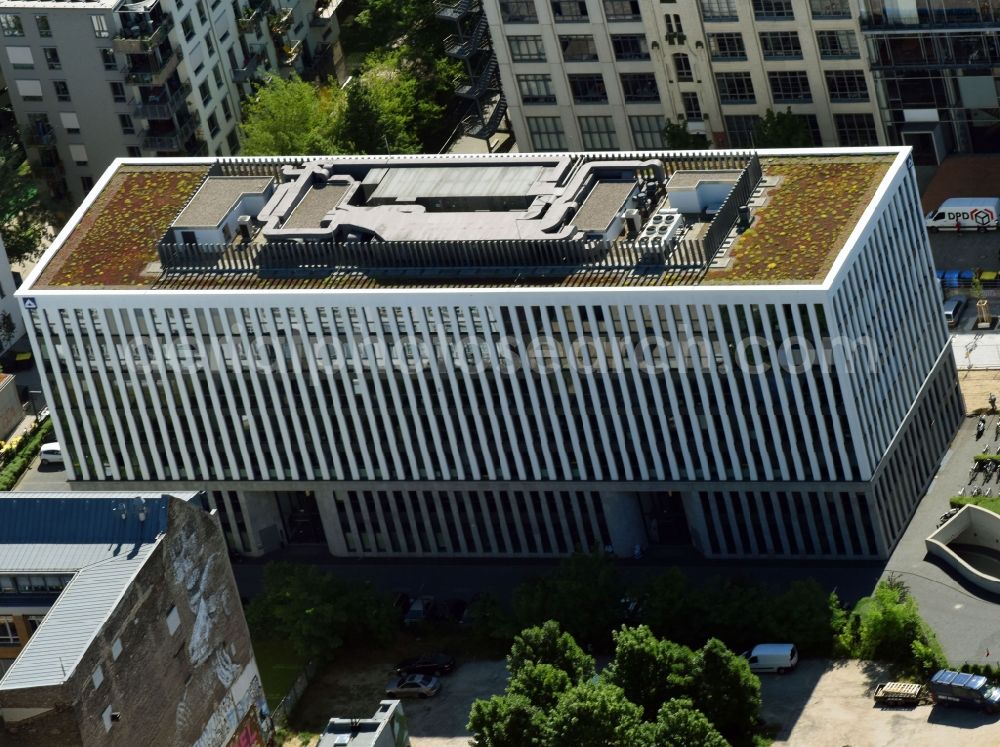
(789, 86)
(837, 45)
(518, 11)
(10, 24)
(526, 48)
(682, 67)
(735, 88)
(639, 87)
(108, 58)
(547, 133)
(727, 46)
(578, 48)
(536, 88)
(780, 45)
(628, 47)
(692, 107)
(773, 10)
(569, 11)
(588, 88)
(855, 129)
(52, 58)
(719, 10)
(846, 85)
(42, 24)
(622, 10)
(598, 133)
(61, 89)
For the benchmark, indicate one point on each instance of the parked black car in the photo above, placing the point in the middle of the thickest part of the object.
(435, 664)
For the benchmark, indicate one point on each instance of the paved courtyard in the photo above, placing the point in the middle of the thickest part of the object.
(967, 621)
(829, 704)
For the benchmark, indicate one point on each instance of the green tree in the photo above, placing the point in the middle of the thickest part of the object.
(317, 612)
(887, 627)
(782, 130)
(292, 117)
(547, 644)
(506, 721)
(540, 683)
(24, 215)
(650, 671)
(678, 136)
(583, 594)
(726, 691)
(680, 724)
(595, 714)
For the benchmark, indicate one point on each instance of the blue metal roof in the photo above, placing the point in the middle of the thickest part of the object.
(104, 539)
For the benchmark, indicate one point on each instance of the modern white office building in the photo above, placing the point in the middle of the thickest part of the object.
(606, 74)
(507, 355)
(94, 80)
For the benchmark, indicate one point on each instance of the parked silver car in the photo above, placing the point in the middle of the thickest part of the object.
(413, 686)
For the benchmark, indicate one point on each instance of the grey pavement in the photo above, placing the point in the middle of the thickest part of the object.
(967, 621)
(43, 478)
(967, 250)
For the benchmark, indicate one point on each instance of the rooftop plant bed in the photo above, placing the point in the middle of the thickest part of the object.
(800, 230)
(116, 238)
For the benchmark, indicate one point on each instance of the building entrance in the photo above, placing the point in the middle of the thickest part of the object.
(300, 515)
(665, 519)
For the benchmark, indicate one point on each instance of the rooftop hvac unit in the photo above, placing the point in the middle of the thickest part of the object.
(245, 225)
(633, 222)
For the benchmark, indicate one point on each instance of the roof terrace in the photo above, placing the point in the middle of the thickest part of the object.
(579, 220)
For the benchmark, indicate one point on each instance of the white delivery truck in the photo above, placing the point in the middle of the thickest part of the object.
(965, 214)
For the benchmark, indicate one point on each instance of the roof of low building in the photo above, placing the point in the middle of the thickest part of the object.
(103, 539)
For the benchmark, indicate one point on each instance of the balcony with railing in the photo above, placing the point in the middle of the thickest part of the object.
(455, 10)
(249, 22)
(153, 69)
(144, 37)
(39, 135)
(173, 142)
(249, 70)
(482, 81)
(985, 15)
(164, 104)
(484, 125)
(464, 46)
(280, 22)
(290, 53)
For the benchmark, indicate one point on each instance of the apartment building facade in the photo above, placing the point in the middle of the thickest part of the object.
(606, 74)
(97, 80)
(935, 63)
(510, 356)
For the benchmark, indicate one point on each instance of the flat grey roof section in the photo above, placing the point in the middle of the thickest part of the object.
(84, 534)
(428, 182)
(602, 205)
(689, 179)
(318, 201)
(215, 199)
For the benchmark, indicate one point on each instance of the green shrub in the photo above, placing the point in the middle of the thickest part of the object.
(27, 451)
(989, 503)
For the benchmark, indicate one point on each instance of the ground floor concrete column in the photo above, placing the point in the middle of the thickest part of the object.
(263, 521)
(623, 516)
(326, 502)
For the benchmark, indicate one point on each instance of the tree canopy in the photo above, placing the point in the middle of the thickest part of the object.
(548, 644)
(317, 612)
(650, 671)
(654, 693)
(292, 117)
(24, 217)
(678, 136)
(782, 130)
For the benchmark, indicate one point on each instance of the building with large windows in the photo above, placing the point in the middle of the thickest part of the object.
(606, 74)
(738, 352)
(935, 63)
(96, 80)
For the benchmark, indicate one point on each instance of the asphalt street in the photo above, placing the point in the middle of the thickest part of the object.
(968, 250)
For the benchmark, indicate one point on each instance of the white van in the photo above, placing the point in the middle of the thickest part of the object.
(51, 453)
(954, 307)
(772, 657)
(965, 214)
